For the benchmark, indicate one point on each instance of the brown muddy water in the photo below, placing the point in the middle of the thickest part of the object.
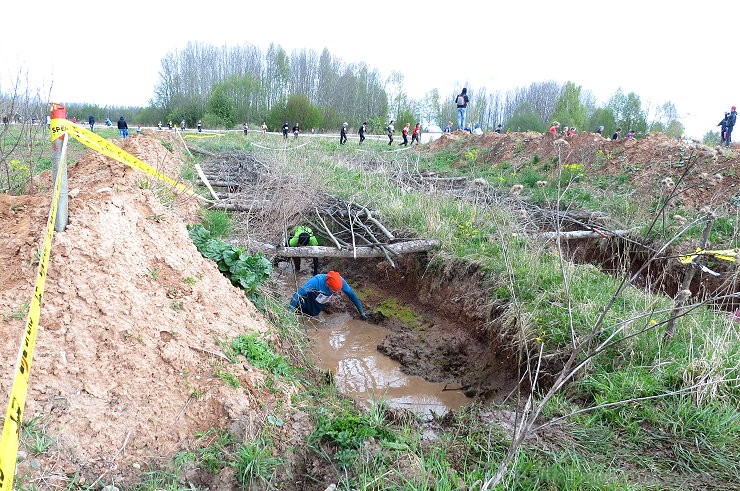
(348, 348)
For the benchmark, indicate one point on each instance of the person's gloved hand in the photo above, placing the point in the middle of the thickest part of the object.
(363, 316)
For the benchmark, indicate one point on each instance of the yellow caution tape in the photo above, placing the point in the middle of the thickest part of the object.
(725, 255)
(203, 136)
(92, 140)
(10, 439)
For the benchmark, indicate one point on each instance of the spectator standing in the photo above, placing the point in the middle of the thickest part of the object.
(630, 134)
(390, 129)
(159, 125)
(600, 130)
(91, 122)
(723, 126)
(343, 134)
(416, 134)
(182, 125)
(122, 127)
(405, 135)
(461, 101)
(730, 125)
(296, 130)
(554, 128)
(286, 127)
(245, 127)
(264, 128)
(499, 129)
(615, 136)
(199, 125)
(361, 132)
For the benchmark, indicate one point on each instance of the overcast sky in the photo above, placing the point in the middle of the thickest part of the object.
(109, 53)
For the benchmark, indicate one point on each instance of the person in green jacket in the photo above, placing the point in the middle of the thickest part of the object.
(303, 236)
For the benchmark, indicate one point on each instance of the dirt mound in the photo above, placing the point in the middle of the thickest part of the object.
(644, 162)
(123, 372)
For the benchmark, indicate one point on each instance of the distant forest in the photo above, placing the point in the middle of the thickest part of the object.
(226, 86)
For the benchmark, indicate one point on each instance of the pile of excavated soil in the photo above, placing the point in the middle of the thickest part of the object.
(646, 161)
(123, 371)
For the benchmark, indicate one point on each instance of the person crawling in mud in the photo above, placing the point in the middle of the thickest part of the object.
(315, 294)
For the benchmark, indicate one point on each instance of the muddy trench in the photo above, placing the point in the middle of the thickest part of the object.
(433, 326)
(620, 256)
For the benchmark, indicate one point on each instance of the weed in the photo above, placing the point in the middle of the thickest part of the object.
(154, 273)
(214, 456)
(35, 438)
(254, 463)
(348, 430)
(229, 378)
(189, 280)
(20, 314)
(217, 222)
(261, 354)
(178, 306)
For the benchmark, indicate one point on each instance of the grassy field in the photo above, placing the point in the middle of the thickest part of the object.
(633, 411)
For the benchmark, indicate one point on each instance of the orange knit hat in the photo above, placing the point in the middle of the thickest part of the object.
(334, 280)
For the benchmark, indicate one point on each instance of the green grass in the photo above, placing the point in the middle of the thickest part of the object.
(261, 354)
(217, 222)
(35, 438)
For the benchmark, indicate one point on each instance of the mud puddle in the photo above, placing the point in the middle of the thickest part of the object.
(348, 348)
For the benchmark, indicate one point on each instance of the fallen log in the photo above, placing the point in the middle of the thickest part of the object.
(584, 234)
(244, 206)
(409, 247)
(225, 184)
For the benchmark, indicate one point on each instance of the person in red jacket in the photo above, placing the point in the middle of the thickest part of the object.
(415, 134)
(405, 134)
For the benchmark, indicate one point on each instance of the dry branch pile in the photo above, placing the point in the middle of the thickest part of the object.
(262, 198)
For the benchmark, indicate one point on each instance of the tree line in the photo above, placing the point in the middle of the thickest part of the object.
(225, 86)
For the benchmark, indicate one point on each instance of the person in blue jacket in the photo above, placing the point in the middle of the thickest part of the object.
(315, 294)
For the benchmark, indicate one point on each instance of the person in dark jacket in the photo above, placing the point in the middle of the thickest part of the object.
(122, 127)
(390, 129)
(361, 132)
(315, 294)
(461, 101)
(730, 125)
(91, 122)
(286, 127)
(343, 134)
(723, 127)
